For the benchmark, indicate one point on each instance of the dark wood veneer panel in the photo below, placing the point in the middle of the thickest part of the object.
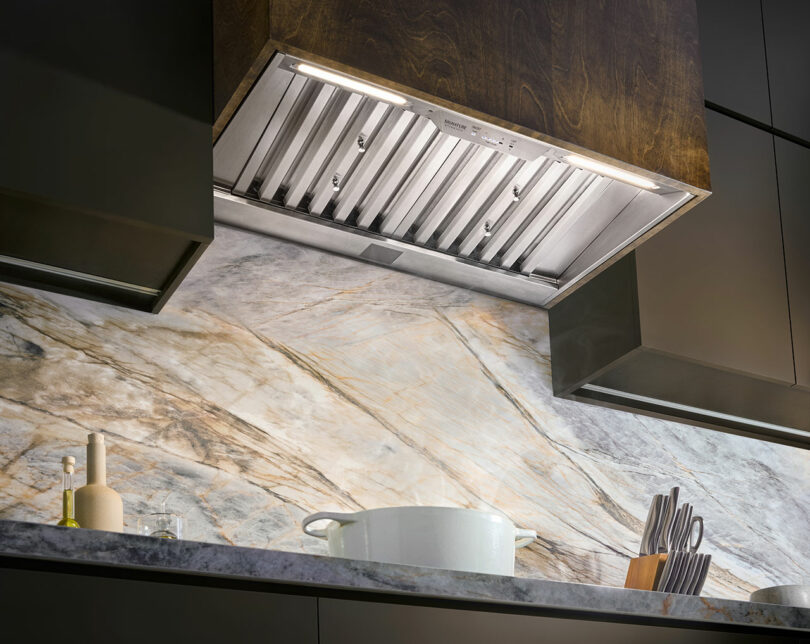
(241, 28)
(621, 78)
(627, 83)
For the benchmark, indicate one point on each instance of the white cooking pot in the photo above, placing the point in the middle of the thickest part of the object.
(450, 538)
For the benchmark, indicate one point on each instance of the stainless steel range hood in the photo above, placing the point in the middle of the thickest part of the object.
(324, 159)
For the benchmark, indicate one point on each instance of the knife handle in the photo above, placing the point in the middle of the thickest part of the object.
(699, 521)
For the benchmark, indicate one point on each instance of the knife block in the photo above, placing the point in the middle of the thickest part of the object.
(644, 572)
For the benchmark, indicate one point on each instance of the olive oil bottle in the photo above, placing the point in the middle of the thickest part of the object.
(67, 493)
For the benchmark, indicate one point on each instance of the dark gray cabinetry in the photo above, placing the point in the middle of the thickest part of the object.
(695, 325)
(709, 322)
(355, 622)
(106, 164)
(788, 49)
(39, 606)
(711, 287)
(793, 164)
(732, 49)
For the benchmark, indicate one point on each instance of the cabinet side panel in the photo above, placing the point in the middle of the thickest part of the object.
(594, 327)
(712, 285)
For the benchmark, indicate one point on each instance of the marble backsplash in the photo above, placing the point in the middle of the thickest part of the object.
(280, 380)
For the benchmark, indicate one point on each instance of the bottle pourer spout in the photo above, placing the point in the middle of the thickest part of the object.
(67, 464)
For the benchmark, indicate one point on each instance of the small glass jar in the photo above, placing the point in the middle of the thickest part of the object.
(163, 525)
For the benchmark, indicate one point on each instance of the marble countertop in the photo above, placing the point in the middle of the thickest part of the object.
(33, 540)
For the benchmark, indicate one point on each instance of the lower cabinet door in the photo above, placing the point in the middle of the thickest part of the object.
(45, 607)
(355, 622)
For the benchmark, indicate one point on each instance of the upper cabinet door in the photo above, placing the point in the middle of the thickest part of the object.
(711, 286)
(793, 169)
(732, 48)
(788, 47)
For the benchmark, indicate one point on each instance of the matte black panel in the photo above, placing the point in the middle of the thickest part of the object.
(711, 286)
(84, 144)
(788, 48)
(732, 49)
(47, 234)
(106, 118)
(156, 50)
(793, 171)
(595, 326)
(42, 607)
(354, 622)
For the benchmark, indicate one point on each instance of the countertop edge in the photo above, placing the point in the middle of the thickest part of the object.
(46, 542)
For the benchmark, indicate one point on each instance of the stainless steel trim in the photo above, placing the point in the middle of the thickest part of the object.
(85, 277)
(339, 238)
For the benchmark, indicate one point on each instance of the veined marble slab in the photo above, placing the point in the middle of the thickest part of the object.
(280, 380)
(38, 541)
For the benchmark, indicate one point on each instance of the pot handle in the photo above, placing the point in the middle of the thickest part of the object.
(341, 517)
(524, 537)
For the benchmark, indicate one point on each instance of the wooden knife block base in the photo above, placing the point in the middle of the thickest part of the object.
(644, 572)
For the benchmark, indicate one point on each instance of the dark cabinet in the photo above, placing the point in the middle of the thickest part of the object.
(105, 173)
(788, 50)
(695, 325)
(709, 321)
(793, 165)
(105, 609)
(732, 49)
(357, 622)
(711, 286)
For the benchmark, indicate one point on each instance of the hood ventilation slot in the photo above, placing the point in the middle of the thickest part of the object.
(429, 179)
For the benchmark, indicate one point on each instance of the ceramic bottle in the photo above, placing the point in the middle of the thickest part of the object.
(98, 506)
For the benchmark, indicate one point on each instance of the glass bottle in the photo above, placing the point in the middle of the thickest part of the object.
(68, 519)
